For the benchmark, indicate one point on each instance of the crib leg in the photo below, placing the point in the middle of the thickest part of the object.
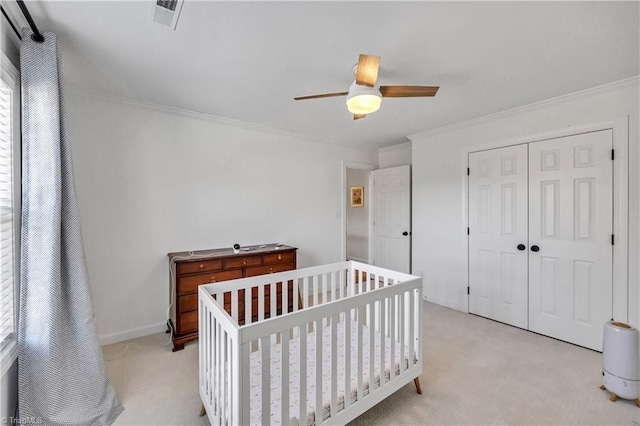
(203, 411)
(416, 381)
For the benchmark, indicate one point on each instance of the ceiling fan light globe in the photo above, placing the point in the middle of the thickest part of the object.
(363, 99)
(364, 104)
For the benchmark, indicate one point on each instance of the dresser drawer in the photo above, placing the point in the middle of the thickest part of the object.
(188, 322)
(188, 303)
(190, 284)
(193, 267)
(262, 270)
(284, 257)
(242, 261)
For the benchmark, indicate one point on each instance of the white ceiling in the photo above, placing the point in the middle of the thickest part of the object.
(247, 60)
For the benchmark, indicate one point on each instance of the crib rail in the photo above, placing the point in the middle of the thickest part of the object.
(366, 320)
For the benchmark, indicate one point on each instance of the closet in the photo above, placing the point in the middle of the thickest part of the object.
(540, 236)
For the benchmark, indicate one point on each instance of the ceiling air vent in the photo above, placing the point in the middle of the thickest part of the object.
(166, 12)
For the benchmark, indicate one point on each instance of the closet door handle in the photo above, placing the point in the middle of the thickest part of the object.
(521, 247)
(405, 233)
(535, 248)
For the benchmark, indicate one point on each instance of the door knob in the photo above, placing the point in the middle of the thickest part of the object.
(535, 248)
(521, 247)
(405, 233)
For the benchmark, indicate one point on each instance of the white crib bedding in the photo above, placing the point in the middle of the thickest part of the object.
(294, 372)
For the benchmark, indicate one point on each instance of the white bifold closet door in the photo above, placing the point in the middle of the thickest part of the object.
(498, 225)
(540, 252)
(571, 217)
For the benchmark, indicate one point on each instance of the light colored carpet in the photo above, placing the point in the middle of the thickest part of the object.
(476, 372)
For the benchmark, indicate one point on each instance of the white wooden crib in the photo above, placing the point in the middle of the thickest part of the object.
(337, 340)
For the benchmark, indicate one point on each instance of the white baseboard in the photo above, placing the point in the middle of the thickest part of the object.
(448, 304)
(107, 339)
(357, 259)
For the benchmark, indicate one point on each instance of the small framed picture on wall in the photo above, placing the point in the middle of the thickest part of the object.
(357, 196)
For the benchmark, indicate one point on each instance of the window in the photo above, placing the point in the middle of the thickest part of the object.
(9, 203)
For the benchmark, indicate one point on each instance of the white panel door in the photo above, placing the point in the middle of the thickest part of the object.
(570, 258)
(498, 234)
(392, 218)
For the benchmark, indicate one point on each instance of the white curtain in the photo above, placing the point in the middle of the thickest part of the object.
(62, 378)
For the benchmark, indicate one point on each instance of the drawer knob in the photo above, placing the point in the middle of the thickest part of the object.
(271, 270)
(213, 279)
(244, 261)
(201, 266)
(279, 257)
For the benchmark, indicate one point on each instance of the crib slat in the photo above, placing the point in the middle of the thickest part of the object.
(296, 294)
(303, 374)
(341, 279)
(334, 366)
(284, 297)
(372, 359)
(284, 386)
(352, 281)
(360, 348)
(325, 295)
(260, 302)
(245, 384)
(393, 336)
(234, 305)
(218, 375)
(265, 349)
(315, 291)
(319, 404)
(214, 363)
(412, 325)
(326, 284)
(403, 329)
(201, 343)
(305, 291)
(223, 374)
(382, 335)
(273, 299)
(248, 314)
(347, 359)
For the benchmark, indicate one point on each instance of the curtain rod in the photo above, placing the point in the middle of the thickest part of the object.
(37, 35)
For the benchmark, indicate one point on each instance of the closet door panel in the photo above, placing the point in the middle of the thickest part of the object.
(571, 206)
(497, 225)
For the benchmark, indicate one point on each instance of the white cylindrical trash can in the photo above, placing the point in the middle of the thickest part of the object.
(621, 360)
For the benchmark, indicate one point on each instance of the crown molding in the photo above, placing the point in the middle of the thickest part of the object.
(609, 87)
(344, 143)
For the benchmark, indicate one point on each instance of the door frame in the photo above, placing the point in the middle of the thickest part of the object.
(622, 292)
(368, 199)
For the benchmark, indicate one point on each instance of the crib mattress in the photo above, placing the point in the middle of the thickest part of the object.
(294, 372)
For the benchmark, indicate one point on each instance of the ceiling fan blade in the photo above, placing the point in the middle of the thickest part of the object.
(359, 116)
(323, 95)
(367, 73)
(408, 91)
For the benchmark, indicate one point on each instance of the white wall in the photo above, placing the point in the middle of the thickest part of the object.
(153, 180)
(358, 217)
(439, 176)
(395, 155)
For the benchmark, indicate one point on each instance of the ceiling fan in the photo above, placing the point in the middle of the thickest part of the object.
(363, 97)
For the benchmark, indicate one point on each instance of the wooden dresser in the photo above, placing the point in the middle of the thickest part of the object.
(191, 269)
